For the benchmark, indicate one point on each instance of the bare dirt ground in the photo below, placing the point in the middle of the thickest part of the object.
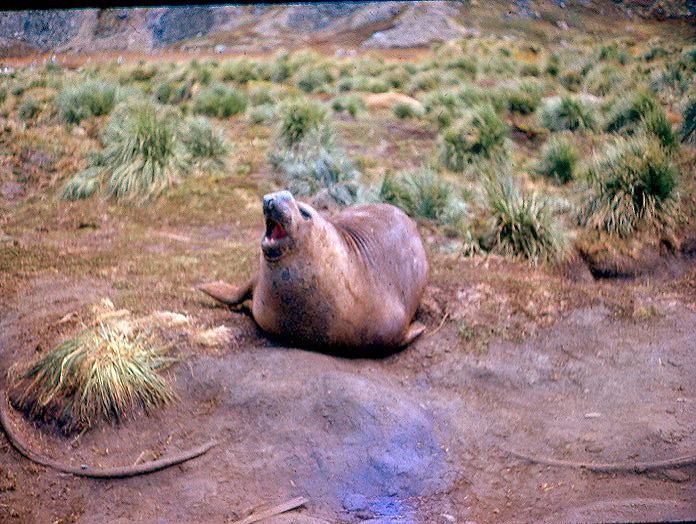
(525, 360)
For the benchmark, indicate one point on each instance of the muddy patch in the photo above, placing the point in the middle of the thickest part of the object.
(356, 443)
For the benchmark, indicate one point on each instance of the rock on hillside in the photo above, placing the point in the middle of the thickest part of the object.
(374, 24)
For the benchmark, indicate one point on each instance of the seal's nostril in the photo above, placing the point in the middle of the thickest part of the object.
(268, 203)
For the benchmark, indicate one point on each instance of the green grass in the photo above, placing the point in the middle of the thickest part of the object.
(630, 112)
(568, 112)
(323, 174)
(572, 80)
(314, 79)
(352, 104)
(240, 71)
(632, 185)
(558, 160)
(403, 110)
(424, 194)
(522, 98)
(298, 117)
(521, 225)
(173, 92)
(142, 156)
(318, 167)
(101, 374)
(655, 123)
(29, 108)
(480, 133)
(261, 114)
(205, 144)
(219, 100)
(92, 98)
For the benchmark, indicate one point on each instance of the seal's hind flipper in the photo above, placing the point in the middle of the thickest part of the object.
(227, 294)
(413, 332)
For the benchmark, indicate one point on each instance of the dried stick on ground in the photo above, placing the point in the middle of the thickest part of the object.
(275, 510)
(86, 471)
(609, 467)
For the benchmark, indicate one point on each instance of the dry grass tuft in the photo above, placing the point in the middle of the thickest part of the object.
(101, 374)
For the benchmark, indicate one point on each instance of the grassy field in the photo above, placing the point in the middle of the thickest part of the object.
(518, 145)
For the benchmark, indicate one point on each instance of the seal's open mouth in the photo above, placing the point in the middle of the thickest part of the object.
(274, 229)
(277, 211)
(276, 241)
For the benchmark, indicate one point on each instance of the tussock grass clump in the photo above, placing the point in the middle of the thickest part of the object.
(298, 117)
(316, 166)
(262, 94)
(312, 79)
(93, 98)
(522, 98)
(604, 80)
(688, 126)
(656, 51)
(464, 64)
(553, 65)
(424, 195)
(572, 80)
(143, 73)
(558, 160)
(568, 112)
(142, 155)
(630, 111)
(219, 101)
(529, 70)
(101, 374)
(240, 71)
(264, 113)
(655, 123)
(353, 104)
(633, 184)
(423, 81)
(480, 133)
(204, 143)
(280, 69)
(173, 92)
(521, 225)
(325, 174)
(29, 108)
(405, 110)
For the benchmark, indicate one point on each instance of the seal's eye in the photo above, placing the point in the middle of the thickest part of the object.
(305, 214)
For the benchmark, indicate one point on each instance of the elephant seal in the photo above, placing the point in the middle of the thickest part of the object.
(351, 280)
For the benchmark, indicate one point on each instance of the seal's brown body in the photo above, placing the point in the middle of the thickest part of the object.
(354, 279)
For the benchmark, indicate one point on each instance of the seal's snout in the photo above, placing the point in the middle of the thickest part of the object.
(274, 202)
(276, 208)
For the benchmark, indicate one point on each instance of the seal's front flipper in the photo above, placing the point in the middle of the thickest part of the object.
(227, 294)
(413, 332)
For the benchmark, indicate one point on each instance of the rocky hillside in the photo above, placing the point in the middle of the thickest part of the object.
(262, 27)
